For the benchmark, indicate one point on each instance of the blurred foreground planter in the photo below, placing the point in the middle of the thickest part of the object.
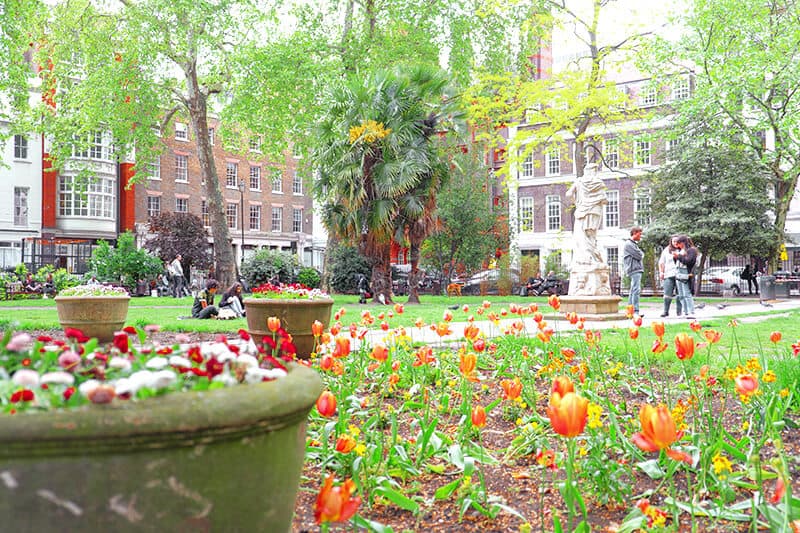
(95, 316)
(223, 460)
(296, 317)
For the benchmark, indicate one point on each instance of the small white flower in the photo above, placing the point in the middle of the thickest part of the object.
(157, 363)
(215, 349)
(226, 379)
(180, 361)
(225, 357)
(256, 375)
(124, 386)
(162, 379)
(26, 377)
(88, 386)
(58, 378)
(121, 363)
(19, 342)
(247, 360)
(139, 379)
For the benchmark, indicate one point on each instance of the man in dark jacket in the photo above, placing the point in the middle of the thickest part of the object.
(204, 302)
(633, 267)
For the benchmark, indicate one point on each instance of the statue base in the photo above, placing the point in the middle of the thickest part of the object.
(593, 307)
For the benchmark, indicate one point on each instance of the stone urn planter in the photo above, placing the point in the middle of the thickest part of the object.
(95, 316)
(296, 317)
(228, 459)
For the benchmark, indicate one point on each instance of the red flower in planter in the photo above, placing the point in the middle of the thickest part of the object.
(22, 395)
(121, 340)
(76, 334)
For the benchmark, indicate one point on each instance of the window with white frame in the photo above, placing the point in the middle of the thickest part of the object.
(255, 143)
(232, 175)
(611, 153)
(277, 219)
(297, 220)
(526, 213)
(612, 209)
(612, 260)
(672, 149)
(527, 166)
(153, 169)
(681, 89)
(204, 214)
(181, 168)
(277, 181)
(20, 147)
(181, 131)
(255, 178)
(648, 96)
(21, 206)
(297, 184)
(553, 202)
(90, 197)
(641, 207)
(642, 154)
(96, 147)
(153, 206)
(232, 215)
(255, 217)
(552, 161)
(211, 135)
(181, 205)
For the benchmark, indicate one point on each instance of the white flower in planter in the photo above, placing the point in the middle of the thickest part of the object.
(58, 378)
(121, 363)
(157, 363)
(26, 378)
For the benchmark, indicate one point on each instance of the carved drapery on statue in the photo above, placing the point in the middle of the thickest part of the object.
(589, 273)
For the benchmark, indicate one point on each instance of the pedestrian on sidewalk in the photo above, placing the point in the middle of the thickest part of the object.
(667, 271)
(685, 258)
(633, 267)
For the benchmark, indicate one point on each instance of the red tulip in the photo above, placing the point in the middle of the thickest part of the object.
(336, 504)
(478, 416)
(633, 333)
(326, 404)
(775, 336)
(684, 346)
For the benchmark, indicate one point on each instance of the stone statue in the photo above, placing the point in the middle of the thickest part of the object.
(589, 273)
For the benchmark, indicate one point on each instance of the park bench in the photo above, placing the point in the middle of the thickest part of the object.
(15, 288)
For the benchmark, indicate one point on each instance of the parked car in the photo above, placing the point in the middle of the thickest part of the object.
(489, 280)
(725, 278)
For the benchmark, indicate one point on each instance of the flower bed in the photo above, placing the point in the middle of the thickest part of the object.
(549, 428)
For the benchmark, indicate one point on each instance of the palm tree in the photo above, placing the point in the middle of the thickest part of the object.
(378, 163)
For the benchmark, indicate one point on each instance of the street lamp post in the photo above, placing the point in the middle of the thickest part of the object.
(241, 222)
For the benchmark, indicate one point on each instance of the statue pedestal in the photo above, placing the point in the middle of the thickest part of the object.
(593, 307)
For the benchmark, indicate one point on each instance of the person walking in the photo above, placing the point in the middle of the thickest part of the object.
(685, 258)
(633, 267)
(667, 270)
(176, 274)
(203, 306)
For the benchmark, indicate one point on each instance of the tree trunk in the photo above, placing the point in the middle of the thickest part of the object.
(381, 282)
(197, 105)
(414, 275)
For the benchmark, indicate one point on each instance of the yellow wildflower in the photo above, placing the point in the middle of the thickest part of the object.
(594, 413)
(721, 465)
(768, 377)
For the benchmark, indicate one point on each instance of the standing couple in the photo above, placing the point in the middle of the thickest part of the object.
(675, 266)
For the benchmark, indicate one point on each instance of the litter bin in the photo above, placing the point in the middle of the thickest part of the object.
(766, 285)
(782, 288)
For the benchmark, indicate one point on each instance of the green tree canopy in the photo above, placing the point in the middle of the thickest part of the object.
(716, 195)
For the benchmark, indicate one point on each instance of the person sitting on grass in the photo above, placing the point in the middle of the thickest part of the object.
(204, 302)
(232, 299)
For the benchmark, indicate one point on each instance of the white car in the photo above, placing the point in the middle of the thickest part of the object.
(724, 278)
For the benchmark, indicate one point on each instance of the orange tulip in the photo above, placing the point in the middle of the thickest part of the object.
(568, 354)
(746, 384)
(554, 301)
(775, 336)
(471, 332)
(568, 413)
(326, 404)
(345, 443)
(379, 352)
(336, 504)
(712, 336)
(317, 328)
(532, 308)
(658, 346)
(511, 388)
(447, 316)
(633, 333)
(658, 329)
(478, 416)
(562, 385)
(779, 492)
(684, 346)
(419, 323)
(342, 348)
(398, 308)
(629, 311)
(443, 329)
(658, 429)
(695, 325)
(572, 318)
(273, 323)
(468, 362)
